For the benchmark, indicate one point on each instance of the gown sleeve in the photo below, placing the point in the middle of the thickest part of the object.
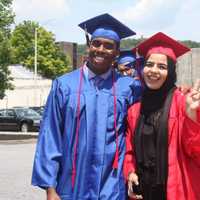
(129, 160)
(136, 89)
(49, 146)
(191, 137)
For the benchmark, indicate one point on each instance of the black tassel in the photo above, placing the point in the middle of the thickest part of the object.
(87, 37)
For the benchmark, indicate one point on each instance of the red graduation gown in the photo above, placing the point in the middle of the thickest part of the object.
(183, 150)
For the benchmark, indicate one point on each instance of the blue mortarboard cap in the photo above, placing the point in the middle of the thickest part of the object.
(127, 58)
(106, 26)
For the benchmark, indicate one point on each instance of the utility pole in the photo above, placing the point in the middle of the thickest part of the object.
(35, 67)
(35, 59)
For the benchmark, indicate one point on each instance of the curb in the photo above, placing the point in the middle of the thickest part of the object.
(17, 136)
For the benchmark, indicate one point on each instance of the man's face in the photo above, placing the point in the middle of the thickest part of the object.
(102, 53)
(123, 69)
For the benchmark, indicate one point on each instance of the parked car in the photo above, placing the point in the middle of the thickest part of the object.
(19, 119)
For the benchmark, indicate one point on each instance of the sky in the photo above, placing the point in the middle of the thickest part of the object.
(177, 18)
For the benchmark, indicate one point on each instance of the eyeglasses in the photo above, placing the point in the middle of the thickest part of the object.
(106, 45)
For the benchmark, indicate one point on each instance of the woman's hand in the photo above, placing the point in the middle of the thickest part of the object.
(133, 180)
(184, 89)
(52, 194)
(193, 101)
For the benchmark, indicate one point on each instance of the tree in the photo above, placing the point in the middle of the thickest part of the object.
(51, 61)
(191, 44)
(6, 19)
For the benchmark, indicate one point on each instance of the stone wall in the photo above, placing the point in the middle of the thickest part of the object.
(188, 67)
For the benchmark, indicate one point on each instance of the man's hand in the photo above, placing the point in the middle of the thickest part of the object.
(193, 101)
(133, 179)
(52, 194)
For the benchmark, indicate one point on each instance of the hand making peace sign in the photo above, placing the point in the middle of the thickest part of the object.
(193, 100)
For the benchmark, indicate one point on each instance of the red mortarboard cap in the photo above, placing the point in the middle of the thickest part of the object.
(163, 44)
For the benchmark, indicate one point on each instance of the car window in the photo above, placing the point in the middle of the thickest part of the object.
(31, 112)
(10, 113)
(20, 113)
(27, 113)
(2, 113)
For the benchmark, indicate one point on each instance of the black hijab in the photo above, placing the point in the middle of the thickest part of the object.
(155, 104)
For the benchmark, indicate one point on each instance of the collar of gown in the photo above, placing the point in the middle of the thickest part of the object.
(90, 74)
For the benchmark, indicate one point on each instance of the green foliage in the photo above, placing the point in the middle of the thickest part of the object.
(130, 43)
(191, 44)
(81, 49)
(6, 15)
(6, 19)
(51, 62)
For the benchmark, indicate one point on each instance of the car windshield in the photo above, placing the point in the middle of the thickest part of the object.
(26, 112)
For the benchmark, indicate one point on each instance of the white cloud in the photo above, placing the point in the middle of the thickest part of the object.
(152, 14)
(178, 18)
(186, 25)
(40, 10)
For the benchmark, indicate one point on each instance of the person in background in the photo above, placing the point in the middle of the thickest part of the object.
(162, 160)
(81, 144)
(130, 64)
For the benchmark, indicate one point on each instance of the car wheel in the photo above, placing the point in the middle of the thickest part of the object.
(24, 127)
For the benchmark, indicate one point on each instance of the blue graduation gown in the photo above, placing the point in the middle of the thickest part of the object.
(95, 177)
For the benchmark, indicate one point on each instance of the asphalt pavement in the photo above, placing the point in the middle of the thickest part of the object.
(16, 160)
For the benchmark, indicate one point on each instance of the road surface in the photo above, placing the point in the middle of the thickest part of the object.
(16, 160)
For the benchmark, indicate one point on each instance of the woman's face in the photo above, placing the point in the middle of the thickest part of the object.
(155, 71)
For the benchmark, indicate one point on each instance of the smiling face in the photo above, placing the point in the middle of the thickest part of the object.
(155, 71)
(127, 71)
(102, 53)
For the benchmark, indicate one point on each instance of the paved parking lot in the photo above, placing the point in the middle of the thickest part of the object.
(16, 158)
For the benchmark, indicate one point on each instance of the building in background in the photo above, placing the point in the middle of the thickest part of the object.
(69, 49)
(28, 91)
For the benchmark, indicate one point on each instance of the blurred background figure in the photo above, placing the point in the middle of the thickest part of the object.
(129, 64)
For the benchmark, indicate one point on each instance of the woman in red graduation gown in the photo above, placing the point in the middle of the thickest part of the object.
(162, 160)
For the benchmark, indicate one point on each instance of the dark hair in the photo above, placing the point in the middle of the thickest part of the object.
(172, 76)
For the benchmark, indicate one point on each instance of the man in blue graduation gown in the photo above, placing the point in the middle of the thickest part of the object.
(81, 144)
